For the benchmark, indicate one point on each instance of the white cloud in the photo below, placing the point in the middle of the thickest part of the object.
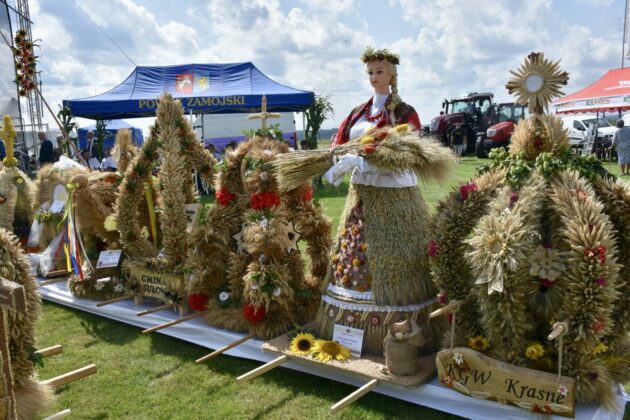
(447, 47)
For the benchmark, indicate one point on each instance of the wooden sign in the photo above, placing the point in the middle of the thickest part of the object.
(477, 375)
(156, 284)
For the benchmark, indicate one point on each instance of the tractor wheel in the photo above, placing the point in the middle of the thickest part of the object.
(481, 151)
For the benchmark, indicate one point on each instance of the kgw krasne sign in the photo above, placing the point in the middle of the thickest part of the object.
(477, 375)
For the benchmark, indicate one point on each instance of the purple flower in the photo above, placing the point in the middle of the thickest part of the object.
(547, 283)
(513, 198)
(601, 281)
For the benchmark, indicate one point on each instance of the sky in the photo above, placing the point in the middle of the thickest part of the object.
(447, 47)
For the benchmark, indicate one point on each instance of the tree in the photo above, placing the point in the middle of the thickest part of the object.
(100, 133)
(316, 114)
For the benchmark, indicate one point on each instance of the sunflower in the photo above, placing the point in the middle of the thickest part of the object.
(478, 343)
(302, 344)
(534, 351)
(325, 351)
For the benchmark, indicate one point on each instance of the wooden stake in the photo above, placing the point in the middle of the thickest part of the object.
(51, 281)
(59, 415)
(445, 310)
(72, 376)
(354, 396)
(224, 349)
(262, 369)
(156, 309)
(559, 328)
(118, 299)
(50, 351)
(170, 324)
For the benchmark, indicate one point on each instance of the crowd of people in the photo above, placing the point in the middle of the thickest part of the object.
(50, 152)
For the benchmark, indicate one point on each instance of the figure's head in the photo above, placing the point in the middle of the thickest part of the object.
(620, 123)
(231, 146)
(304, 145)
(90, 134)
(381, 69)
(60, 139)
(41, 136)
(85, 154)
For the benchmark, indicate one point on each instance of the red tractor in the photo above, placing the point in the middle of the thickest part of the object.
(499, 134)
(474, 111)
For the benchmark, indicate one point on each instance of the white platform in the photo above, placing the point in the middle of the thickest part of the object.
(196, 331)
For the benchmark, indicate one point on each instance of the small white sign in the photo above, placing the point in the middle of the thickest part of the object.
(57, 206)
(352, 338)
(108, 259)
(192, 213)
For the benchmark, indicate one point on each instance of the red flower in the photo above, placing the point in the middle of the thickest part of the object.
(449, 318)
(254, 314)
(380, 135)
(599, 325)
(441, 298)
(580, 194)
(264, 200)
(369, 148)
(465, 190)
(224, 196)
(547, 283)
(432, 248)
(308, 194)
(601, 254)
(513, 198)
(197, 302)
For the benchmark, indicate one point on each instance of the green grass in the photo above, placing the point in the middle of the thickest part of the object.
(154, 376)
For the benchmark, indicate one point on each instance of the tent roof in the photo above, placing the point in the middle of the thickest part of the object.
(610, 93)
(202, 88)
(111, 125)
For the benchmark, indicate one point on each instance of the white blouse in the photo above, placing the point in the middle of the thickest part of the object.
(367, 174)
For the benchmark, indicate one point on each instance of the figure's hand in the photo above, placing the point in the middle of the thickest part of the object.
(347, 162)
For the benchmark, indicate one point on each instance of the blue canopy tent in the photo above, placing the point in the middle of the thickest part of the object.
(202, 88)
(111, 129)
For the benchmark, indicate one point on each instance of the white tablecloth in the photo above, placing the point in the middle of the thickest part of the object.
(431, 395)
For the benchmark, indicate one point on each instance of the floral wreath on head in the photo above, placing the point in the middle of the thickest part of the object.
(370, 54)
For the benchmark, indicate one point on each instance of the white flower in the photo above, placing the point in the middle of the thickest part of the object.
(563, 390)
(458, 358)
(268, 152)
(223, 296)
(100, 284)
(262, 258)
(277, 291)
(264, 176)
(254, 286)
(546, 263)
(447, 380)
(118, 288)
(264, 223)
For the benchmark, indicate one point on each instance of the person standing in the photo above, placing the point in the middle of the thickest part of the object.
(621, 141)
(46, 150)
(92, 144)
(459, 141)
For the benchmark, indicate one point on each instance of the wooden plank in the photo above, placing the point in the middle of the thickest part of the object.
(262, 369)
(51, 281)
(156, 309)
(59, 415)
(50, 351)
(224, 349)
(72, 376)
(170, 324)
(354, 396)
(474, 374)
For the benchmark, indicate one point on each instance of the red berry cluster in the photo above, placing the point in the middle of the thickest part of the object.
(24, 62)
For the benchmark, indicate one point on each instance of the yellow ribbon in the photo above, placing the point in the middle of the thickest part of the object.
(148, 192)
(68, 263)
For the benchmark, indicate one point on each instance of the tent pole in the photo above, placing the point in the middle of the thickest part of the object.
(203, 132)
(303, 125)
(623, 39)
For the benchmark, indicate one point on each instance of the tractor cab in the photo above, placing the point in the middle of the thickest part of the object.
(474, 111)
(499, 134)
